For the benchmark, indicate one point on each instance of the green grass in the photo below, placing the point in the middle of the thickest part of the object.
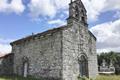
(101, 77)
(17, 78)
(109, 77)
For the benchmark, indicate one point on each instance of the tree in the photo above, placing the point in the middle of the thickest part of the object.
(108, 57)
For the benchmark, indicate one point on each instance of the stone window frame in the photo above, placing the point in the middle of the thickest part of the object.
(79, 62)
(25, 60)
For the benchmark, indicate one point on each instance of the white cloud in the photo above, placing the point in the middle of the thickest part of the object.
(42, 8)
(58, 21)
(14, 6)
(51, 7)
(108, 36)
(5, 41)
(47, 8)
(95, 7)
(61, 4)
(112, 5)
(5, 46)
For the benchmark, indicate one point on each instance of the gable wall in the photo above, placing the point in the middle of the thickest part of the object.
(75, 43)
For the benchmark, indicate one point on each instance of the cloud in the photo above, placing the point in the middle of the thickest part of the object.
(5, 48)
(50, 8)
(58, 21)
(61, 4)
(108, 36)
(5, 41)
(42, 8)
(95, 7)
(112, 5)
(47, 8)
(15, 6)
(5, 45)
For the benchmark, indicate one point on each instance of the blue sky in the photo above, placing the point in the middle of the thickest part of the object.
(20, 18)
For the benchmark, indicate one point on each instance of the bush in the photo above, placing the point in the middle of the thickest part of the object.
(84, 78)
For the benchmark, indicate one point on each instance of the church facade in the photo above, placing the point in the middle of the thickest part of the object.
(62, 53)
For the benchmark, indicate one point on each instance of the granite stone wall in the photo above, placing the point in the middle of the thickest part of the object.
(70, 53)
(77, 41)
(93, 67)
(6, 66)
(43, 54)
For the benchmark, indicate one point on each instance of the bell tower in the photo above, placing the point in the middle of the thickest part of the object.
(77, 13)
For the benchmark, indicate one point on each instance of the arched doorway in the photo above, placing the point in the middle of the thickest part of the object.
(25, 66)
(83, 66)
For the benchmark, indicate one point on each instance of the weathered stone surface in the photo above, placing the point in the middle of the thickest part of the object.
(44, 56)
(6, 66)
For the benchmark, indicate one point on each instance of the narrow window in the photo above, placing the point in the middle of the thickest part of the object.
(77, 12)
(83, 19)
(25, 67)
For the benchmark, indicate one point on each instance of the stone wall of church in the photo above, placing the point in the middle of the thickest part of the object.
(6, 65)
(76, 43)
(93, 67)
(70, 53)
(44, 56)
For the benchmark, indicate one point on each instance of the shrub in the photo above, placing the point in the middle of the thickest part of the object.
(84, 78)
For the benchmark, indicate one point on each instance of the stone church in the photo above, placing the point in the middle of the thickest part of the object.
(63, 53)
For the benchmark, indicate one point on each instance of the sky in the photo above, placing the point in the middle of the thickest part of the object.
(21, 18)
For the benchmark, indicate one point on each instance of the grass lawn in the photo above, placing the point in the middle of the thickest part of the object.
(17, 78)
(110, 77)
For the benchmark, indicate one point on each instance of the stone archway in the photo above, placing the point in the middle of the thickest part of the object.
(83, 66)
